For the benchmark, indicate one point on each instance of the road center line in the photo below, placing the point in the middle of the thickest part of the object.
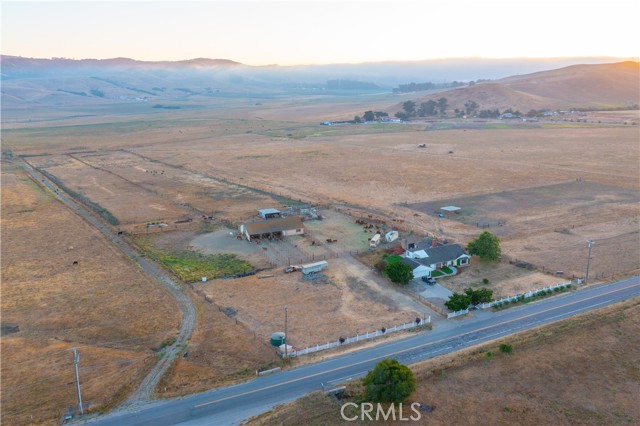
(416, 347)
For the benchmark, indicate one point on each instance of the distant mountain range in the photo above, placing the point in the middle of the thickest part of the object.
(60, 81)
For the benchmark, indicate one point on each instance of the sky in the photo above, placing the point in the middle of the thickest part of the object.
(321, 32)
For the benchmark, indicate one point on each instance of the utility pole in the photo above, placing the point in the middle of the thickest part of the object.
(590, 243)
(286, 335)
(76, 360)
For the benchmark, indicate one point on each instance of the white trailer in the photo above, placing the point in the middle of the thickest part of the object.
(314, 267)
(391, 236)
(375, 241)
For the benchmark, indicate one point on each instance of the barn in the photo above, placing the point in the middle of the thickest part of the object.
(280, 227)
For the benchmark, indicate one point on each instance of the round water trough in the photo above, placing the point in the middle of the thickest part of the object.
(277, 339)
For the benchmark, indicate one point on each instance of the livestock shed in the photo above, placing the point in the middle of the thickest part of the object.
(269, 213)
(281, 227)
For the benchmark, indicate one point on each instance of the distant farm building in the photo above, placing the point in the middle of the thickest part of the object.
(269, 213)
(280, 227)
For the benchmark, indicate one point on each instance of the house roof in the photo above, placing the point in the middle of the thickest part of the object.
(441, 254)
(444, 253)
(411, 262)
(450, 208)
(423, 244)
(274, 225)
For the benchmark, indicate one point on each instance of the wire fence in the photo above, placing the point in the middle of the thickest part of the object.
(357, 338)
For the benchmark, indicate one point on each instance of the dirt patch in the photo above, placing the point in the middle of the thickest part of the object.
(224, 241)
(341, 304)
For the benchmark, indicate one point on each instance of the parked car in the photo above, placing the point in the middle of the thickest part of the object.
(429, 280)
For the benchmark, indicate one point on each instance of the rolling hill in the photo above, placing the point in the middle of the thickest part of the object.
(593, 86)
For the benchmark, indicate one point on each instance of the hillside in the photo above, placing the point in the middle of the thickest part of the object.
(63, 82)
(604, 86)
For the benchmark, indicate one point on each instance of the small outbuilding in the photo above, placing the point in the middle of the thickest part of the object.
(391, 236)
(269, 213)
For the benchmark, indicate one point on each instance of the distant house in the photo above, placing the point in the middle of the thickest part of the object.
(269, 213)
(428, 256)
(280, 227)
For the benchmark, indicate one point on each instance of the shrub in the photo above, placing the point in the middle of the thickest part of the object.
(389, 381)
(485, 281)
(506, 348)
(399, 273)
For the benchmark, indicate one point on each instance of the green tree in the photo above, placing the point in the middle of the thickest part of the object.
(443, 104)
(481, 295)
(380, 114)
(369, 116)
(470, 107)
(402, 115)
(487, 246)
(399, 272)
(357, 119)
(458, 302)
(389, 381)
(409, 107)
(427, 108)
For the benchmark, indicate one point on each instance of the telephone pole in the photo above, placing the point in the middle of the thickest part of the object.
(76, 360)
(286, 335)
(590, 243)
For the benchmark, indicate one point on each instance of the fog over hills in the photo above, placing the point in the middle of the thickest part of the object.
(61, 81)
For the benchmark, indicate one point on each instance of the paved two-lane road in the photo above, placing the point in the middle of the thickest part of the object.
(231, 405)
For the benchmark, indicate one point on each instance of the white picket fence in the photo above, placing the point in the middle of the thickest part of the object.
(526, 295)
(457, 313)
(356, 338)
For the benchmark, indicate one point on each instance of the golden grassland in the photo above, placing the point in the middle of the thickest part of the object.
(581, 371)
(104, 305)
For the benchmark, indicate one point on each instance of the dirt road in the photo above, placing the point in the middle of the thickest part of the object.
(145, 390)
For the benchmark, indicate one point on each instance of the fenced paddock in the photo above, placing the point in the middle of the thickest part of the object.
(357, 338)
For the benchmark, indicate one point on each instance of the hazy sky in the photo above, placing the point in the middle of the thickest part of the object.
(316, 32)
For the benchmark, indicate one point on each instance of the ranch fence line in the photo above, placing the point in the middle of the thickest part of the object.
(528, 294)
(357, 338)
(457, 313)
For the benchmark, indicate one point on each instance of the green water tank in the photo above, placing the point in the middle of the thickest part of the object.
(277, 338)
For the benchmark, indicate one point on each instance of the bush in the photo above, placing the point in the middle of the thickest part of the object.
(485, 281)
(458, 302)
(389, 381)
(399, 273)
(506, 348)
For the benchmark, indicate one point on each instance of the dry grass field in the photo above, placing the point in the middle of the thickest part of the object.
(227, 161)
(221, 351)
(582, 371)
(104, 305)
(319, 311)
(383, 171)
